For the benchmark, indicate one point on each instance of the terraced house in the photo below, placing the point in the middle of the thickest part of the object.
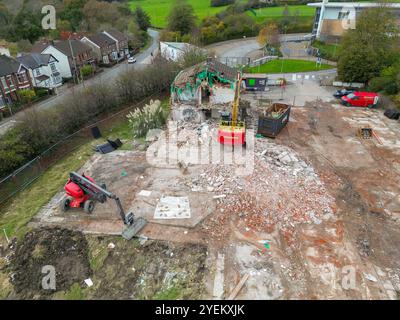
(104, 47)
(13, 77)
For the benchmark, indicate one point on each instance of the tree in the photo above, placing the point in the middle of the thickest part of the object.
(285, 21)
(369, 48)
(142, 18)
(268, 35)
(181, 17)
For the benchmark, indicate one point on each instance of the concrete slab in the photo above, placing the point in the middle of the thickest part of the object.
(172, 208)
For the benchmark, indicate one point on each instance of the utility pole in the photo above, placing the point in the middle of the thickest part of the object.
(73, 58)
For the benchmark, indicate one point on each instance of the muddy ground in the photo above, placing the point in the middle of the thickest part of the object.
(118, 269)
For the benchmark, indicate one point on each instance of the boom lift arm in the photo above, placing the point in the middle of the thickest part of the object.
(100, 194)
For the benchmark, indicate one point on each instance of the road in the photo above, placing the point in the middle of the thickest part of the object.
(107, 76)
(244, 47)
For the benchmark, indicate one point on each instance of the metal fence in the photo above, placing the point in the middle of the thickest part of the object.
(28, 173)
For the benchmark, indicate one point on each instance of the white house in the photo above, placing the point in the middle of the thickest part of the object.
(71, 55)
(332, 19)
(174, 50)
(42, 70)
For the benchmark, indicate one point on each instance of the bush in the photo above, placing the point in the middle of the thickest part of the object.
(151, 116)
(36, 131)
(86, 70)
(27, 95)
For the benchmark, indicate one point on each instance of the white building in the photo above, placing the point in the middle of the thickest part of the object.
(42, 70)
(174, 50)
(332, 19)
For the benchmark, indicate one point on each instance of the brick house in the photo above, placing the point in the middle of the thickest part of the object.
(13, 77)
(104, 47)
(121, 42)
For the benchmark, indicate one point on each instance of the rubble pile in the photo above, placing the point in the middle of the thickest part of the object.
(281, 192)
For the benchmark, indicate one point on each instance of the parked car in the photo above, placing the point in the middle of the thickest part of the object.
(361, 99)
(341, 93)
(132, 60)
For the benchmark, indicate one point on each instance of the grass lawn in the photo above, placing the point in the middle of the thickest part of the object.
(274, 13)
(160, 9)
(328, 50)
(289, 66)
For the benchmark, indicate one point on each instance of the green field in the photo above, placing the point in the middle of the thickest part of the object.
(159, 9)
(289, 66)
(274, 13)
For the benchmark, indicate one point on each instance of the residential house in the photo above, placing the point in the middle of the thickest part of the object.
(121, 42)
(42, 70)
(207, 83)
(104, 47)
(332, 19)
(71, 55)
(13, 77)
(175, 50)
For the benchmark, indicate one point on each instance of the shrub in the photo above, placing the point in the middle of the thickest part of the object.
(151, 116)
(86, 70)
(27, 95)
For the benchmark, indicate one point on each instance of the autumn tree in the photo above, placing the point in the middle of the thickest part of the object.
(268, 35)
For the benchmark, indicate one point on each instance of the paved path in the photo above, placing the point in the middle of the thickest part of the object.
(107, 76)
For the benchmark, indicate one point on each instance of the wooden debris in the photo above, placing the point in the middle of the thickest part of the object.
(238, 287)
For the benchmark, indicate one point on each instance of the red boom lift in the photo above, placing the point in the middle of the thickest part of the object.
(82, 192)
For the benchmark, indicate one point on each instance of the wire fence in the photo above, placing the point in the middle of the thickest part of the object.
(31, 171)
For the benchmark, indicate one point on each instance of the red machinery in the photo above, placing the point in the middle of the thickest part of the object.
(82, 192)
(77, 197)
(231, 131)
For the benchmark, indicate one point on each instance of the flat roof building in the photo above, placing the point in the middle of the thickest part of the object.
(332, 19)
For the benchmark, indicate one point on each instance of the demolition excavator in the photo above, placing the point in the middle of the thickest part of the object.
(232, 130)
(83, 192)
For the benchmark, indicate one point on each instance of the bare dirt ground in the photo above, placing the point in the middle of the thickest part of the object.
(316, 218)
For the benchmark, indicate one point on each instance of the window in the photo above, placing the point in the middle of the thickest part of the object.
(22, 77)
(4, 82)
(37, 72)
(10, 81)
(343, 15)
(53, 67)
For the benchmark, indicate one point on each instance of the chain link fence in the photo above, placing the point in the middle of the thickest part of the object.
(28, 173)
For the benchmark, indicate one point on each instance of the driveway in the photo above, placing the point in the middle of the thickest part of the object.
(107, 75)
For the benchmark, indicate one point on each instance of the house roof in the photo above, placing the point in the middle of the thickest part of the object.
(42, 77)
(34, 60)
(8, 65)
(179, 45)
(64, 46)
(354, 5)
(102, 40)
(78, 47)
(117, 35)
(39, 46)
(211, 65)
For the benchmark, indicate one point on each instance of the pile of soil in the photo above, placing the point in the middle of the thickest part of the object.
(64, 249)
(155, 270)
